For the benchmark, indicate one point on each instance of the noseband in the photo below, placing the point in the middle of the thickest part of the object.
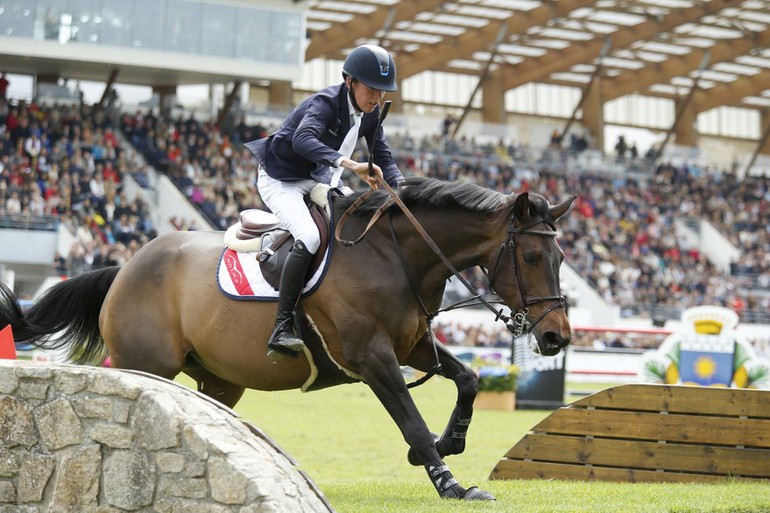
(520, 324)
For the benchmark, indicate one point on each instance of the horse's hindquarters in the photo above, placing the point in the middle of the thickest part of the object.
(165, 303)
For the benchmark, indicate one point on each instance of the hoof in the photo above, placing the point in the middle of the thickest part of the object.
(412, 457)
(474, 493)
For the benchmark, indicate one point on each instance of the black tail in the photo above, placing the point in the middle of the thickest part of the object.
(69, 310)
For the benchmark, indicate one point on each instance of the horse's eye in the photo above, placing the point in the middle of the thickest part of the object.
(531, 257)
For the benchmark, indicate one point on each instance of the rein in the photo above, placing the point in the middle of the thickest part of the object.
(365, 196)
(517, 325)
(387, 204)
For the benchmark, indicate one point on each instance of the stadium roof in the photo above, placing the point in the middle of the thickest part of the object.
(650, 47)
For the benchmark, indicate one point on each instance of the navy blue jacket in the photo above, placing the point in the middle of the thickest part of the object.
(306, 144)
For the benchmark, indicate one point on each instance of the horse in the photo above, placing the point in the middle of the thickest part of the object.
(162, 312)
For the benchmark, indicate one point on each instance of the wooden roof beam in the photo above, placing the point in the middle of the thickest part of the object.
(342, 35)
(732, 93)
(473, 40)
(674, 66)
(539, 68)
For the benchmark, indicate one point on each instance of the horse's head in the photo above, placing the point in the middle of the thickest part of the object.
(524, 272)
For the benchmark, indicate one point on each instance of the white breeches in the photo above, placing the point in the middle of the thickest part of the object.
(286, 200)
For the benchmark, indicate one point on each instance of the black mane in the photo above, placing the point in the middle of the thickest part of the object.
(431, 192)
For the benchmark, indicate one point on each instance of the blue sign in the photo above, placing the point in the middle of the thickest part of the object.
(707, 360)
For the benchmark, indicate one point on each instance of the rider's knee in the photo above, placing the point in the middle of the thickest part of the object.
(311, 241)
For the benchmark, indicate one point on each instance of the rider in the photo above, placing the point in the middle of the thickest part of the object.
(313, 145)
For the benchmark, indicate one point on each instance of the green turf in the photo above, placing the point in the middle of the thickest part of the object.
(343, 438)
(555, 496)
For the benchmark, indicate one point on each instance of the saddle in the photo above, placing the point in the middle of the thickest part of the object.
(275, 242)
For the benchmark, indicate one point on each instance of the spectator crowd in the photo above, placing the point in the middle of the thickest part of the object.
(69, 162)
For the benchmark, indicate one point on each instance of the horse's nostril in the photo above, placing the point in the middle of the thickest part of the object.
(553, 342)
(555, 339)
(552, 339)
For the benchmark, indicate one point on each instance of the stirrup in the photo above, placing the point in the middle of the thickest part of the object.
(284, 341)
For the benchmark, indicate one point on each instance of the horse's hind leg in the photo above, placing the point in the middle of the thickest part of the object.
(423, 358)
(212, 385)
(144, 349)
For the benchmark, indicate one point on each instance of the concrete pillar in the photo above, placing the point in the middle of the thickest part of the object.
(258, 95)
(47, 78)
(166, 97)
(45, 83)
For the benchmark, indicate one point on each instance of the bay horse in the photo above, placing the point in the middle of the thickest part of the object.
(162, 312)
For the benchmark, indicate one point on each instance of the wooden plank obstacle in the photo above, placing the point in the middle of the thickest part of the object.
(649, 433)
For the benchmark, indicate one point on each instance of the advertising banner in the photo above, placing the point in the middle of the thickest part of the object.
(541, 380)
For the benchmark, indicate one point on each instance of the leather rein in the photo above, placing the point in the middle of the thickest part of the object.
(518, 325)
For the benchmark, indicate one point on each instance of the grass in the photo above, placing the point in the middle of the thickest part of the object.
(555, 496)
(346, 442)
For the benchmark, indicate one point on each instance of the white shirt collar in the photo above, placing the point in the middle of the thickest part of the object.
(352, 109)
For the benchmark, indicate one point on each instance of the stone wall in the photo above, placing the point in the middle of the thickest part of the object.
(84, 439)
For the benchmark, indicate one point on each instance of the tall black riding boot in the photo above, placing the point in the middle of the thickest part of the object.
(283, 339)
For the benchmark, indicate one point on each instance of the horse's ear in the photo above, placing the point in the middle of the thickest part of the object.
(559, 210)
(521, 207)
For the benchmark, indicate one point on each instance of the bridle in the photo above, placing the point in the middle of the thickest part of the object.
(520, 324)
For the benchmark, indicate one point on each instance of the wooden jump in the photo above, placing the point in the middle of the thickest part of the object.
(649, 433)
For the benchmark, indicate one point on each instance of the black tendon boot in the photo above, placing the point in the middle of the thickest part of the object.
(448, 487)
(283, 339)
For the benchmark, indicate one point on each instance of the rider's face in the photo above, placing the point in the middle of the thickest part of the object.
(366, 97)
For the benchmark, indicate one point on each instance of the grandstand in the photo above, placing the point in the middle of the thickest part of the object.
(513, 94)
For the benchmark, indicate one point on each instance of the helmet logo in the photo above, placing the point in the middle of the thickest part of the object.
(383, 59)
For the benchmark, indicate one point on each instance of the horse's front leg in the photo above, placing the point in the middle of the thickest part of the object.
(423, 357)
(382, 372)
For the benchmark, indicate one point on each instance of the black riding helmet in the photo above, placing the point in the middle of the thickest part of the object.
(373, 66)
